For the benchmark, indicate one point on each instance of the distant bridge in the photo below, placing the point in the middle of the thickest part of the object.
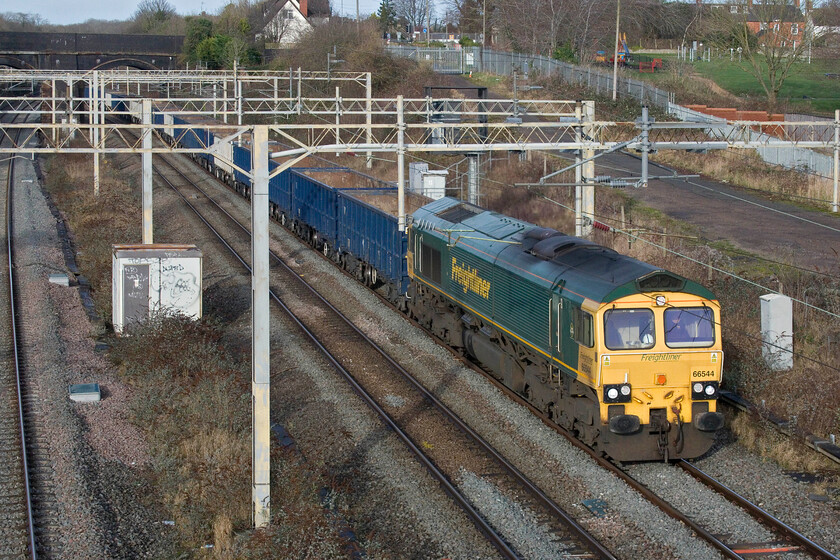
(89, 51)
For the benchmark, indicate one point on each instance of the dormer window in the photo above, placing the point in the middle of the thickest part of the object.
(733, 9)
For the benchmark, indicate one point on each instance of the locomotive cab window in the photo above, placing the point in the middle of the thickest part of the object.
(689, 327)
(626, 329)
(429, 262)
(582, 327)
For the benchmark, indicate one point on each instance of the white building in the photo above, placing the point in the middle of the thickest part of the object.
(288, 22)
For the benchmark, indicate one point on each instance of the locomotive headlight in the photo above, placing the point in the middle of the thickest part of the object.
(617, 393)
(705, 390)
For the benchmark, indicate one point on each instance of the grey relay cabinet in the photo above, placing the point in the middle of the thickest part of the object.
(152, 278)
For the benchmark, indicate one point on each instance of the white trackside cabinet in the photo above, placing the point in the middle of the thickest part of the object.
(151, 278)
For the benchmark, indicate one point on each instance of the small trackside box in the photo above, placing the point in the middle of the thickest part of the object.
(153, 278)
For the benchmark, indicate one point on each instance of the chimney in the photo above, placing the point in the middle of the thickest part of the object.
(304, 8)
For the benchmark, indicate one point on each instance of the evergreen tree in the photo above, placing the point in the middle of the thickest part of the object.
(386, 16)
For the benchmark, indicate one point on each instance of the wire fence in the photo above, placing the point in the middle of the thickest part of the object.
(475, 59)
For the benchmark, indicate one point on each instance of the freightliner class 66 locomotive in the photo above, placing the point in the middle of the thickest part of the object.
(626, 355)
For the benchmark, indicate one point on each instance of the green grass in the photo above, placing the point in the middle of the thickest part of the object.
(806, 88)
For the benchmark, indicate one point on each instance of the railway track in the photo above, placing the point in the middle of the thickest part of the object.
(793, 540)
(17, 530)
(448, 448)
(788, 541)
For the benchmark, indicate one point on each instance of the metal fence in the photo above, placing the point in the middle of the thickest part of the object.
(787, 156)
(475, 59)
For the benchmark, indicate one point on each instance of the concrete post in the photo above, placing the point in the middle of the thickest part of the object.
(615, 53)
(337, 118)
(147, 173)
(54, 131)
(239, 103)
(369, 119)
(298, 90)
(588, 170)
(777, 331)
(260, 363)
(224, 101)
(400, 163)
(836, 201)
(94, 100)
(645, 145)
(472, 179)
(68, 103)
(578, 173)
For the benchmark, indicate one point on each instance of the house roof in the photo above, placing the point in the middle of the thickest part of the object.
(314, 8)
(787, 13)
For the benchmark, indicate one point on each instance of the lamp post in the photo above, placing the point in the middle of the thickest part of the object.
(484, 25)
(615, 55)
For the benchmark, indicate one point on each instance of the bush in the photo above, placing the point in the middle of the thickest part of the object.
(194, 404)
(565, 52)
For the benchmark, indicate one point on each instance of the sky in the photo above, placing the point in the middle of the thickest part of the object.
(62, 12)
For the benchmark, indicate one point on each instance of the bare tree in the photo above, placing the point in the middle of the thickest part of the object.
(153, 13)
(235, 50)
(18, 21)
(413, 11)
(466, 14)
(770, 35)
(276, 29)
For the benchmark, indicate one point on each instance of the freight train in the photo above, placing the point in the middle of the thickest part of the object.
(624, 354)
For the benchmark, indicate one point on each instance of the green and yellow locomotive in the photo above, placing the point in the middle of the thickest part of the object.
(624, 354)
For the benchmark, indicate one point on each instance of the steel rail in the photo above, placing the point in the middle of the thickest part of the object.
(648, 494)
(31, 524)
(766, 518)
(588, 540)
